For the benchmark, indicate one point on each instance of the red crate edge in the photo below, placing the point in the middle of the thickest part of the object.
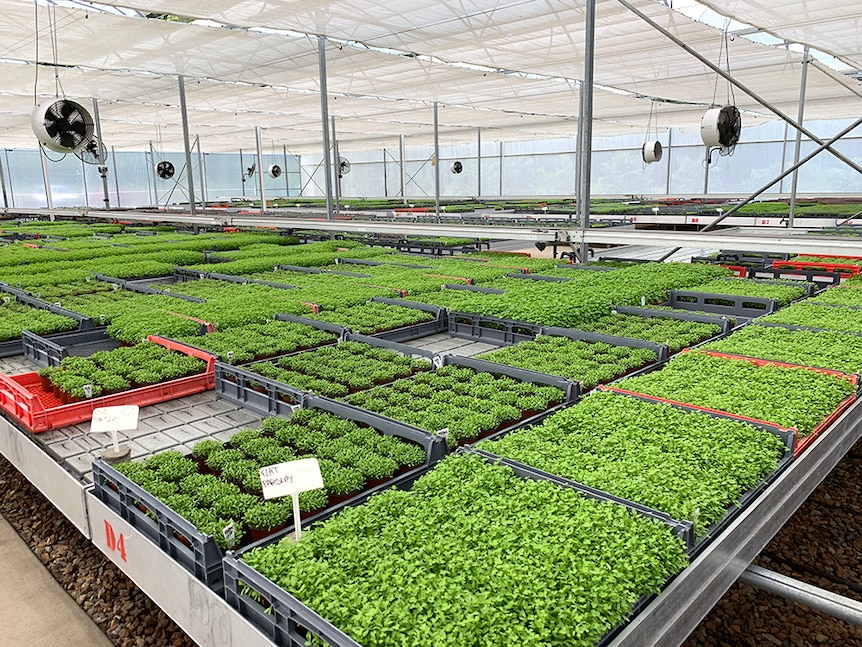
(853, 378)
(21, 403)
(803, 443)
(727, 414)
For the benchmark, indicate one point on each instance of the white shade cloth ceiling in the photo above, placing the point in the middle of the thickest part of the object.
(241, 77)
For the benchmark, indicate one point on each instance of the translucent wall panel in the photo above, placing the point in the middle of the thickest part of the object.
(551, 174)
(623, 171)
(25, 175)
(686, 169)
(747, 170)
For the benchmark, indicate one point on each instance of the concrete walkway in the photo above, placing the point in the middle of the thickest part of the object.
(35, 611)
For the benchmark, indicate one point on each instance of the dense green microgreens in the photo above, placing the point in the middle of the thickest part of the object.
(675, 333)
(468, 403)
(689, 465)
(351, 457)
(245, 343)
(590, 363)
(372, 317)
(812, 315)
(780, 291)
(790, 397)
(831, 350)
(839, 295)
(474, 555)
(337, 370)
(117, 370)
(15, 317)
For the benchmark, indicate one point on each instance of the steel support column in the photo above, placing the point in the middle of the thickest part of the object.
(436, 162)
(794, 181)
(116, 175)
(479, 162)
(84, 181)
(155, 177)
(185, 118)
(324, 119)
(586, 119)
(401, 162)
(101, 151)
(260, 172)
(286, 179)
(201, 171)
(45, 178)
(336, 158)
(9, 171)
(3, 186)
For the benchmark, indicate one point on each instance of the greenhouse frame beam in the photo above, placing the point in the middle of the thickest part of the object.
(715, 68)
(184, 114)
(324, 119)
(260, 173)
(794, 181)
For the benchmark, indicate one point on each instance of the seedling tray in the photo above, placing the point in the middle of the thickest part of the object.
(22, 396)
(538, 277)
(197, 552)
(131, 286)
(727, 304)
(647, 313)
(269, 397)
(439, 324)
(286, 619)
(50, 351)
(491, 329)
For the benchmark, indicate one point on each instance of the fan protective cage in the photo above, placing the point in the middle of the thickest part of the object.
(721, 127)
(62, 125)
(165, 170)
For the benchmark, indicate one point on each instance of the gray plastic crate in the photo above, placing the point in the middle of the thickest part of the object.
(196, 552)
(732, 305)
(50, 351)
(491, 329)
(439, 324)
(647, 313)
(660, 350)
(537, 277)
(472, 288)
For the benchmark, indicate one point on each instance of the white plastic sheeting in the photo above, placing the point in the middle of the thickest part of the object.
(255, 74)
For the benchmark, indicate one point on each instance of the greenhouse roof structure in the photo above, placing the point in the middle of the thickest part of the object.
(510, 67)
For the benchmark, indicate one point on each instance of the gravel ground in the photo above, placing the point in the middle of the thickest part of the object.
(821, 544)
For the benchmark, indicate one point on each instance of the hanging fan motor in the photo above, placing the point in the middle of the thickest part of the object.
(274, 171)
(456, 167)
(721, 127)
(62, 125)
(343, 166)
(250, 170)
(93, 152)
(165, 170)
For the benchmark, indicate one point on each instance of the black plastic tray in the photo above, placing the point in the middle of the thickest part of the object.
(819, 277)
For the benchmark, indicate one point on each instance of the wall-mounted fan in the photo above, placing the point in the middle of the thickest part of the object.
(456, 167)
(274, 171)
(62, 125)
(250, 170)
(721, 128)
(165, 170)
(343, 166)
(93, 152)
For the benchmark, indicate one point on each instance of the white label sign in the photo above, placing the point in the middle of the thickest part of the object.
(290, 478)
(123, 418)
(229, 532)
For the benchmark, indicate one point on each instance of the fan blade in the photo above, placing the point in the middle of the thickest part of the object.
(51, 129)
(78, 127)
(68, 109)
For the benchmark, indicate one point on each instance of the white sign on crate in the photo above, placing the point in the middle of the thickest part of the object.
(290, 478)
(122, 418)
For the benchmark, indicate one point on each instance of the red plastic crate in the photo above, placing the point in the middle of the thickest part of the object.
(22, 397)
(841, 268)
(803, 443)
